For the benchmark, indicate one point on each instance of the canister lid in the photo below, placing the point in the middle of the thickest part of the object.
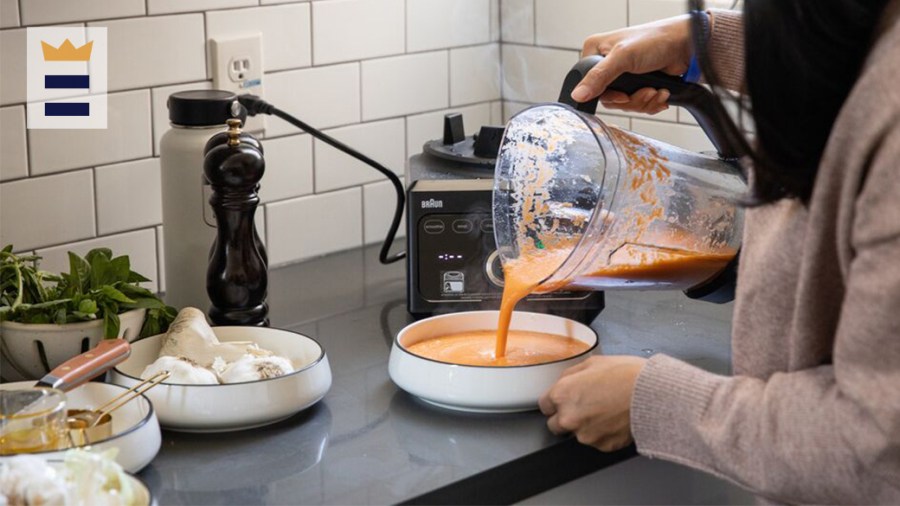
(204, 108)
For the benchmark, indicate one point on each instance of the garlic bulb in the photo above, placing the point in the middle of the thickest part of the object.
(191, 336)
(252, 368)
(181, 370)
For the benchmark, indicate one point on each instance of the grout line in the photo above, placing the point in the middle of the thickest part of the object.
(105, 236)
(95, 195)
(534, 22)
(449, 80)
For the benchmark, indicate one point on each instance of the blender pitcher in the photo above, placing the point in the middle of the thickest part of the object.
(584, 205)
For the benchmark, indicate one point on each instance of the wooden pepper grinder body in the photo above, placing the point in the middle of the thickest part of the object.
(236, 280)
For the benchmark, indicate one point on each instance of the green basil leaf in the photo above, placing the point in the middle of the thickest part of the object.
(79, 272)
(147, 303)
(106, 253)
(110, 325)
(119, 269)
(87, 306)
(115, 295)
(135, 277)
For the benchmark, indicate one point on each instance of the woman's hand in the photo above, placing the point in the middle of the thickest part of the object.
(664, 45)
(593, 401)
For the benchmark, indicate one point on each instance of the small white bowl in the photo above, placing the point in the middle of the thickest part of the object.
(234, 406)
(31, 350)
(481, 388)
(135, 429)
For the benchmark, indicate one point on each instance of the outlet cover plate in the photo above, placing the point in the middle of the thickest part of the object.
(237, 66)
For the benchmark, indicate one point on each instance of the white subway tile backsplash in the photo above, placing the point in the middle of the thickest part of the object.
(289, 168)
(517, 21)
(272, 2)
(383, 141)
(127, 137)
(323, 97)
(511, 108)
(9, 13)
(140, 246)
(422, 128)
(129, 196)
(12, 67)
(160, 110)
(285, 33)
(49, 210)
(474, 74)
(434, 24)
(170, 6)
(355, 29)
(497, 113)
(160, 260)
(684, 136)
(495, 21)
(379, 202)
(308, 227)
(566, 23)
(404, 84)
(13, 148)
(43, 12)
(155, 50)
(534, 74)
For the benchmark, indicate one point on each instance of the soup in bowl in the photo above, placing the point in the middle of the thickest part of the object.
(448, 360)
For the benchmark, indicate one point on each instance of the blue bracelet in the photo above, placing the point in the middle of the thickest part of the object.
(693, 73)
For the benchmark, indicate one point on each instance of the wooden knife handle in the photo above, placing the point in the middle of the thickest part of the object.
(87, 366)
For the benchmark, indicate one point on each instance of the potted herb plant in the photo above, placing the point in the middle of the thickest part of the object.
(46, 318)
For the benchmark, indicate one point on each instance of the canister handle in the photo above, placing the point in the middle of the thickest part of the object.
(698, 100)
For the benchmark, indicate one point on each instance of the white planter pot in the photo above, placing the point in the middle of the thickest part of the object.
(31, 350)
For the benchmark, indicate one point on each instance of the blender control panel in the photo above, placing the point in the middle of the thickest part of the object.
(453, 262)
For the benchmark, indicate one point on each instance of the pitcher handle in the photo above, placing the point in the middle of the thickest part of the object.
(698, 100)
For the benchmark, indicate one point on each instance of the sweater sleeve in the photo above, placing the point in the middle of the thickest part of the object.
(726, 48)
(821, 435)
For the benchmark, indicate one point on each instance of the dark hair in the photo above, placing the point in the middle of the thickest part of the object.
(802, 58)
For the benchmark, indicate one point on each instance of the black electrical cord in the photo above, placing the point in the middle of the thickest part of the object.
(256, 105)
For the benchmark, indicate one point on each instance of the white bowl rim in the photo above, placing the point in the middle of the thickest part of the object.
(302, 369)
(124, 433)
(450, 315)
(63, 326)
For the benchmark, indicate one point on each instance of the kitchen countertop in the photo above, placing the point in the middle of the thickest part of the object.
(369, 443)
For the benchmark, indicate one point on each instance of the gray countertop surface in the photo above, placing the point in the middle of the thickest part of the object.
(367, 442)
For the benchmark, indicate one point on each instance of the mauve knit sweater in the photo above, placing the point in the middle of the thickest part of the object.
(812, 412)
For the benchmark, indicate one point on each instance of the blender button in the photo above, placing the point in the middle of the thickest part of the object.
(487, 226)
(463, 226)
(433, 226)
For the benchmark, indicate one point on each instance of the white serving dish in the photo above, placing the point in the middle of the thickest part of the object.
(27, 346)
(135, 429)
(481, 388)
(235, 406)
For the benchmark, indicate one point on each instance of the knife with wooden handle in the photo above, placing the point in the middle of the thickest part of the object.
(87, 366)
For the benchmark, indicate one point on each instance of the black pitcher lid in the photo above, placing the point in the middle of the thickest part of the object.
(204, 107)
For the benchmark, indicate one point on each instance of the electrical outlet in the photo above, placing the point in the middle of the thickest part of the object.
(237, 66)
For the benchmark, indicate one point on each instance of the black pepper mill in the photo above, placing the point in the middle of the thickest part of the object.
(236, 280)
